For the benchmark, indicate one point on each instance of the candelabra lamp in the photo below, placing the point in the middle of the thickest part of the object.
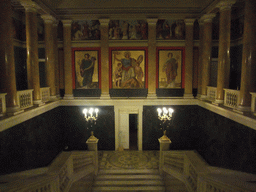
(165, 116)
(91, 116)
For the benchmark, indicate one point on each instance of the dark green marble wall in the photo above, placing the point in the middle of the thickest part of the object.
(220, 141)
(78, 130)
(32, 144)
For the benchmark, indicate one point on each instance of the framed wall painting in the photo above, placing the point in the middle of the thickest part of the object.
(86, 68)
(128, 67)
(170, 67)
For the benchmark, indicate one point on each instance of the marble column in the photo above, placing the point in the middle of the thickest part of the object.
(207, 53)
(189, 44)
(152, 58)
(56, 58)
(7, 64)
(32, 51)
(224, 50)
(67, 59)
(49, 54)
(104, 59)
(201, 35)
(248, 78)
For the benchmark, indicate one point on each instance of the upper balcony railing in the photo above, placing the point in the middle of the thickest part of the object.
(211, 93)
(231, 98)
(2, 104)
(253, 103)
(25, 98)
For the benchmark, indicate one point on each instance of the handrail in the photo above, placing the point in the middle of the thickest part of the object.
(2, 104)
(58, 177)
(211, 93)
(231, 98)
(25, 98)
(198, 176)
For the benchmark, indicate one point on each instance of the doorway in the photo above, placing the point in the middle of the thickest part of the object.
(133, 131)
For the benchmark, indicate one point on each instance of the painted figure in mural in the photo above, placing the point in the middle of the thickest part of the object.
(132, 32)
(170, 68)
(87, 69)
(125, 30)
(86, 30)
(118, 75)
(128, 71)
(144, 31)
(179, 30)
(138, 71)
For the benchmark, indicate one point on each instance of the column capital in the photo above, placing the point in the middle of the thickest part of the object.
(48, 18)
(66, 22)
(104, 21)
(225, 5)
(207, 18)
(29, 5)
(189, 21)
(152, 21)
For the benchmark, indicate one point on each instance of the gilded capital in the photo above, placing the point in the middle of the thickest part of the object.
(29, 5)
(152, 21)
(48, 18)
(104, 21)
(189, 21)
(66, 22)
(207, 18)
(225, 5)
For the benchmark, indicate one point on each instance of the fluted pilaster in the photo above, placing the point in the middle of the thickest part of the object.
(248, 78)
(207, 52)
(67, 59)
(49, 54)
(104, 59)
(151, 57)
(189, 44)
(7, 64)
(224, 50)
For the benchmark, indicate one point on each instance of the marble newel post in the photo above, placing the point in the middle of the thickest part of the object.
(206, 53)
(164, 142)
(49, 54)
(104, 59)
(151, 58)
(7, 64)
(248, 73)
(67, 59)
(224, 50)
(189, 44)
(32, 51)
(92, 143)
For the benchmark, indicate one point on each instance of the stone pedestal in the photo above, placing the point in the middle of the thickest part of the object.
(164, 142)
(92, 143)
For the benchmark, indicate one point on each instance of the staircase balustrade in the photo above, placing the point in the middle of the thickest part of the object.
(67, 168)
(198, 176)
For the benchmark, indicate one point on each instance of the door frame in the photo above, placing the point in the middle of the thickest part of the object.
(128, 110)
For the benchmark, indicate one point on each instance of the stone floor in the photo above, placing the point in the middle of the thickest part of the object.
(128, 159)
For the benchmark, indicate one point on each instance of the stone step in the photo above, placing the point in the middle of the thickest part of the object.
(125, 188)
(129, 171)
(128, 177)
(129, 183)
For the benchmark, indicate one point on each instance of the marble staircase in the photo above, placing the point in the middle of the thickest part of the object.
(128, 180)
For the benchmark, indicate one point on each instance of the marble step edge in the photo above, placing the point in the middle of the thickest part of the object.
(130, 177)
(129, 171)
(142, 188)
(130, 182)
